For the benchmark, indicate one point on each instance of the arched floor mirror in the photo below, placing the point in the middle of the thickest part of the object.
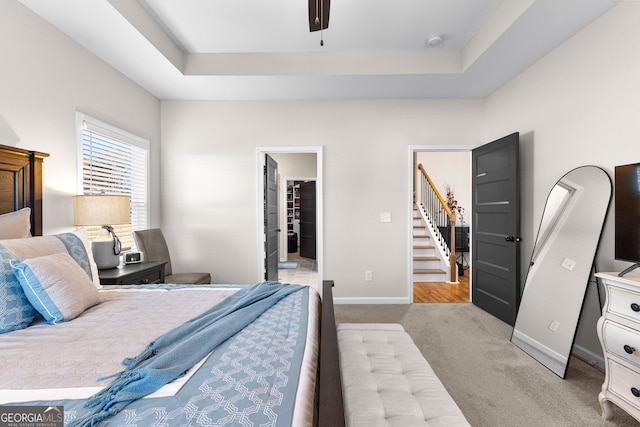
(560, 266)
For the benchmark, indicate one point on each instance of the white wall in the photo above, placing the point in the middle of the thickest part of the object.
(45, 77)
(577, 106)
(210, 180)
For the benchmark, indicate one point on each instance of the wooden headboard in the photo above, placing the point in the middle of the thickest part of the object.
(21, 183)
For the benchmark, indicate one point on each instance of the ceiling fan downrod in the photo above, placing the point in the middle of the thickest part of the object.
(322, 23)
(317, 21)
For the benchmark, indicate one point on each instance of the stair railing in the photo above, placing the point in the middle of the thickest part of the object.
(440, 217)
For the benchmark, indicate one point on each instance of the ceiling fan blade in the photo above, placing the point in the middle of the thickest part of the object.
(319, 14)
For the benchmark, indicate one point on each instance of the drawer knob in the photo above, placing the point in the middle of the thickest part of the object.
(629, 349)
(635, 392)
(635, 307)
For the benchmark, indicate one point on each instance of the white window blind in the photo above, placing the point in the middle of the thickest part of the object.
(113, 161)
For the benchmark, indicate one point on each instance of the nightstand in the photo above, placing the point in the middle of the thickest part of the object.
(142, 273)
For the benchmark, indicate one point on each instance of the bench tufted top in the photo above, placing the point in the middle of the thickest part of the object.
(387, 382)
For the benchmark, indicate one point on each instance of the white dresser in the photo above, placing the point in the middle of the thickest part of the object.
(619, 333)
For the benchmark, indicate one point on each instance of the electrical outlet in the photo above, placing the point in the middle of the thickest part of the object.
(368, 276)
(554, 325)
(568, 263)
(385, 216)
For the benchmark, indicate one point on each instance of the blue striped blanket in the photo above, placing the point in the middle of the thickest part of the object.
(172, 354)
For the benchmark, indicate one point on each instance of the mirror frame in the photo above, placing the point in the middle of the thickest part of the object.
(561, 265)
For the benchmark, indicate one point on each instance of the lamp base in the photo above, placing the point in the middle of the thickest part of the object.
(103, 255)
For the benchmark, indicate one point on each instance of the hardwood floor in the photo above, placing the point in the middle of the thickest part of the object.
(424, 292)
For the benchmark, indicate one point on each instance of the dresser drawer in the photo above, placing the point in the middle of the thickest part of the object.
(622, 341)
(143, 273)
(145, 278)
(624, 382)
(624, 303)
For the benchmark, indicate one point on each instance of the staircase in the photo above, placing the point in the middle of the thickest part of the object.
(428, 266)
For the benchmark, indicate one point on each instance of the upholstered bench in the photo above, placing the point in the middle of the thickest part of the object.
(387, 382)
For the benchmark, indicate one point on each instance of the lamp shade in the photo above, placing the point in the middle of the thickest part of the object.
(101, 210)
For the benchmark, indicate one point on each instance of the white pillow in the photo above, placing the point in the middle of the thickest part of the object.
(75, 244)
(16, 225)
(84, 236)
(56, 286)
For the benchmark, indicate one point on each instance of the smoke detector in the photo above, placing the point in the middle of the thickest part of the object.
(434, 40)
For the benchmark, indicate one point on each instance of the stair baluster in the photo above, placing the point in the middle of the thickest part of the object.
(439, 216)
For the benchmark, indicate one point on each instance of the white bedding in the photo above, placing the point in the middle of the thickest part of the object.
(74, 354)
(59, 364)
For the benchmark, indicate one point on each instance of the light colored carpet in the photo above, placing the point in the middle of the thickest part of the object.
(494, 383)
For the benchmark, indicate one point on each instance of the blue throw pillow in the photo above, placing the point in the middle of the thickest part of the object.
(15, 310)
(56, 286)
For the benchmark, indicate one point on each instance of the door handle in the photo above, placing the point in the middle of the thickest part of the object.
(513, 239)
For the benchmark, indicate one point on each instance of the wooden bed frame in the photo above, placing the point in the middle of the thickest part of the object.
(21, 183)
(331, 405)
(21, 186)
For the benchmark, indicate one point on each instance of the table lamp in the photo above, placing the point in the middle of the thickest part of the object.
(106, 211)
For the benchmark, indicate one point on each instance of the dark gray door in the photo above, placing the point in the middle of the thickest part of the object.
(495, 228)
(308, 219)
(271, 218)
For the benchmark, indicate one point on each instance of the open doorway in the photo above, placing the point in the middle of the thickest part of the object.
(299, 212)
(300, 257)
(435, 276)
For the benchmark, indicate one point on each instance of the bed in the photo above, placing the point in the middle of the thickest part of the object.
(280, 367)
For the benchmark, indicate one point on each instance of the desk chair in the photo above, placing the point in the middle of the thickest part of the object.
(154, 247)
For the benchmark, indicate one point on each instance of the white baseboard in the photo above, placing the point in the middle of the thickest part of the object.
(545, 355)
(373, 300)
(588, 356)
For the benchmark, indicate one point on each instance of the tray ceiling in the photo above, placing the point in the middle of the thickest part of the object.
(257, 49)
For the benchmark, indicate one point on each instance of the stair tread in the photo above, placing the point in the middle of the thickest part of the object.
(419, 227)
(428, 271)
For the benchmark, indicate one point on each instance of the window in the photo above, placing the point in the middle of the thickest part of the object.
(113, 161)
